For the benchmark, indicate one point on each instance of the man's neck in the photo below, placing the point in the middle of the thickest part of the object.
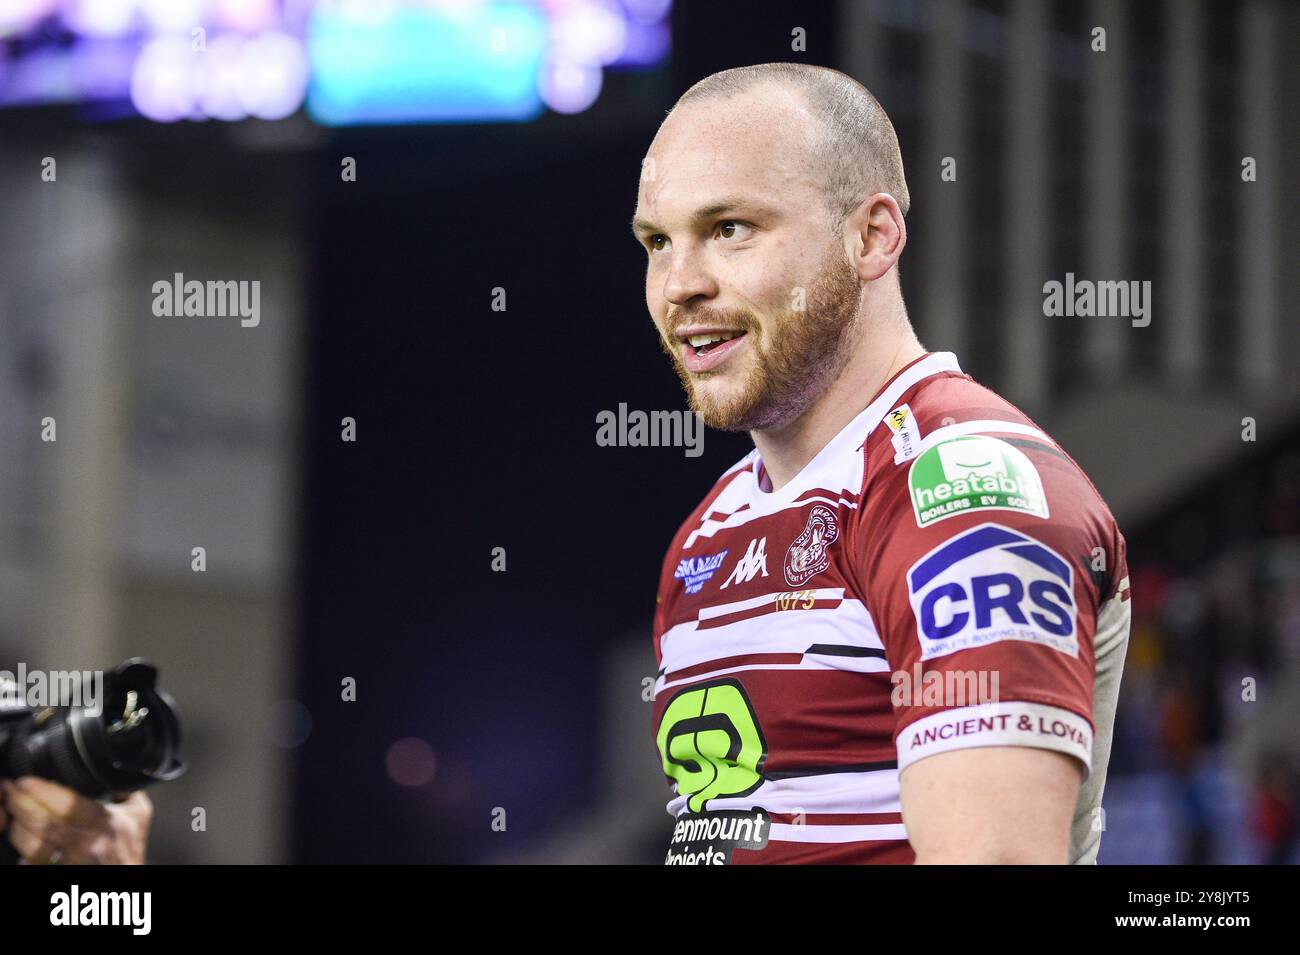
(787, 450)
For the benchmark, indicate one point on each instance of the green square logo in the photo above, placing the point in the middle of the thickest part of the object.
(974, 473)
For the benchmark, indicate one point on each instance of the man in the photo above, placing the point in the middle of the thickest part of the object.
(48, 824)
(894, 631)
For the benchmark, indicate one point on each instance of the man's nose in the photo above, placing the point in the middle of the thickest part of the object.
(688, 278)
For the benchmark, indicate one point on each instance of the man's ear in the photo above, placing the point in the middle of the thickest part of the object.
(876, 234)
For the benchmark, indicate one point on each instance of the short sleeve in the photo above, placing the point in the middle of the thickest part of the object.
(984, 564)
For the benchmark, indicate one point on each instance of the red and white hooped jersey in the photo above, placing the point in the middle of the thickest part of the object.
(941, 575)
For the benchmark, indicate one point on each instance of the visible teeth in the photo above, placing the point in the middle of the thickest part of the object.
(699, 341)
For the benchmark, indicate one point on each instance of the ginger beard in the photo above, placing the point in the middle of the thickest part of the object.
(792, 356)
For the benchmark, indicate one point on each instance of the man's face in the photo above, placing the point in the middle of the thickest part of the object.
(736, 228)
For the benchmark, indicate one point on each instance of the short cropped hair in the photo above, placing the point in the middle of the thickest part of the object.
(857, 148)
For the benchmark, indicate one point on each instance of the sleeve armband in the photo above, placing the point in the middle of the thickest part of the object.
(997, 724)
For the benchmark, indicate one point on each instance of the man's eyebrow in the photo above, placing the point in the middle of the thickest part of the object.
(726, 204)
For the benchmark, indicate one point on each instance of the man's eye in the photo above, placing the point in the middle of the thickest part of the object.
(728, 229)
(654, 242)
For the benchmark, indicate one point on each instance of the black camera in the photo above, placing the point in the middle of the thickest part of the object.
(129, 740)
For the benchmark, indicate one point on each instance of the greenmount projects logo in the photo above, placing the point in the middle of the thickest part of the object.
(974, 473)
(711, 744)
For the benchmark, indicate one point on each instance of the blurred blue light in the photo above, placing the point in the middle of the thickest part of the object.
(417, 64)
(367, 61)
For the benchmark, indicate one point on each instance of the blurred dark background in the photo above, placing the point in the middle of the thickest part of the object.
(498, 714)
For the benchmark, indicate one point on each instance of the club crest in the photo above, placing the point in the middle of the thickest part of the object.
(809, 553)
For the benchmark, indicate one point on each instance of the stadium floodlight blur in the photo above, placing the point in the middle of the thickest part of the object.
(349, 62)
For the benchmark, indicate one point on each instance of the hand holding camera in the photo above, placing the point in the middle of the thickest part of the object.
(49, 824)
(57, 762)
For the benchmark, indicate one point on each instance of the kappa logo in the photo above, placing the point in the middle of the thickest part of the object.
(755, 560)
(809, 553)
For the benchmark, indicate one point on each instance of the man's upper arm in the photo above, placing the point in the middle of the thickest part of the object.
(1005, 804)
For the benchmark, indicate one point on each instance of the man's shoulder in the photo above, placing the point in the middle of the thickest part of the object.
(948, 412)
(954, 450)
(952, 398)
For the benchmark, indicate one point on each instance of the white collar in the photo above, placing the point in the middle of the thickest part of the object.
(856, 431)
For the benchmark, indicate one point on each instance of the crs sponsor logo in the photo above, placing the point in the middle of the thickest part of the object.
(694, 571)
(990, 584)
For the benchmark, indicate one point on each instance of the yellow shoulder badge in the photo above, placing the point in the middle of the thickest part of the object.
(907, 436)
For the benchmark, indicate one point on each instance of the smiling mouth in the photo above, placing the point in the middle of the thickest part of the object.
(703, 344)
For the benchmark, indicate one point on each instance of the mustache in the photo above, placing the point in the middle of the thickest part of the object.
(709, 317)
